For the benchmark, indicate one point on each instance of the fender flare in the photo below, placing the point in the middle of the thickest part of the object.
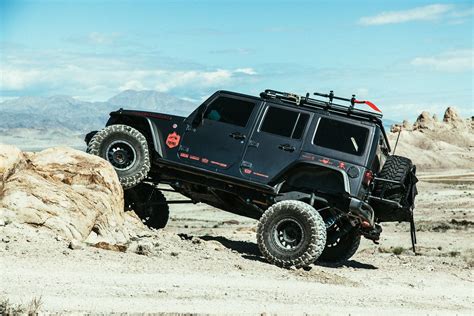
(299, 164)
(142, 124)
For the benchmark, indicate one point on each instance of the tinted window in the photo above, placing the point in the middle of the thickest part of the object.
(231, 111)
(284, 122)
(341, 136)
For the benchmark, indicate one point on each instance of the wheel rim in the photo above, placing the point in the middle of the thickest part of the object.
(336, 229)
(288, 234)
(121, 155)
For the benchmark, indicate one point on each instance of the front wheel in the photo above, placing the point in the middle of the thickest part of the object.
(127, 151)
(291, 233)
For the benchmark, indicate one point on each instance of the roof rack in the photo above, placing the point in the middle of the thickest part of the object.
(306, 101)
(322, 104)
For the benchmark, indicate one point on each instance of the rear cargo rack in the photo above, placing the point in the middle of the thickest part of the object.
(321, 104)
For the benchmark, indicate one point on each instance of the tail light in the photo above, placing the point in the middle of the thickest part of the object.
(368, 177)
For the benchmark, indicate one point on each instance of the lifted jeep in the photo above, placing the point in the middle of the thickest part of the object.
(316, 174)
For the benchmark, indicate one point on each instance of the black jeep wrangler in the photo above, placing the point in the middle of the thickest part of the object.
(316, 174)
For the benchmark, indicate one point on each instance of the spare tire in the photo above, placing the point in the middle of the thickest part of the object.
(126, 149)
(398, 169)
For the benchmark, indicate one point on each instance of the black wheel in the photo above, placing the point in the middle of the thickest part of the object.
(126, 149)
(339, 249)
(291, 233)
(149, 204)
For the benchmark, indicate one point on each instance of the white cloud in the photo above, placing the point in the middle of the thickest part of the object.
(246, 71)
(453, 61)
(99, 77)
(425, 13)
(17, 79)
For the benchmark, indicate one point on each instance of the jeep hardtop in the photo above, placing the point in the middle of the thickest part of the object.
(316, 174)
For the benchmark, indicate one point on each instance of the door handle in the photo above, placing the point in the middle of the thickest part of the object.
(253, 143)
(237, 135)
(287, 147)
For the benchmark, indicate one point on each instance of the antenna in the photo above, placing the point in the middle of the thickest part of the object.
(396, 143)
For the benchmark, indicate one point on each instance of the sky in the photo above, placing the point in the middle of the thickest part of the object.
(405, 56)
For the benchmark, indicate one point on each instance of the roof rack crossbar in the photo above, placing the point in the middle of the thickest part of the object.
(326, 105)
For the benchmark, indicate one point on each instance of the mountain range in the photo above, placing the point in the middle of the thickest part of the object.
(68, 113)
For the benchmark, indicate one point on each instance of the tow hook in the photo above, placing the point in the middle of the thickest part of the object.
(373, 234)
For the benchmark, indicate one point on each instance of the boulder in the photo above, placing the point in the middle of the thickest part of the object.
(71, 193)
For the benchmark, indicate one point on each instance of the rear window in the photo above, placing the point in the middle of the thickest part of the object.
(341, 136)
(284, 122)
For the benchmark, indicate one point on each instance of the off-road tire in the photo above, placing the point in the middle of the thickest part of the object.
(396, 168)
(153, 215)
(343, 250)
(138, 171)
(313, 237)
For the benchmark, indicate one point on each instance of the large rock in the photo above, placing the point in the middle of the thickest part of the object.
(72, 193)
(451, 115)
(424, 121)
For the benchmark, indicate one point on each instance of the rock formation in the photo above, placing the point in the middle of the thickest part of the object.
(433, 144)
(424, 121)
(73, 194)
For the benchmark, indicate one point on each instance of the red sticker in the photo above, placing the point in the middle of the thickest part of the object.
(173, 140)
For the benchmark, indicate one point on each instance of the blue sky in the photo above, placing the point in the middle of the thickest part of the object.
(405, 56)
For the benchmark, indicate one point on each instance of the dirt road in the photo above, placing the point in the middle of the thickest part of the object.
(214, 266)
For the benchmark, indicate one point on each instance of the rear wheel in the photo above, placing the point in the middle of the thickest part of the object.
(339, 249)
(127, 151)
(291, 233)
(149, 204)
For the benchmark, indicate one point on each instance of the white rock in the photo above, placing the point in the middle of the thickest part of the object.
(66, 191)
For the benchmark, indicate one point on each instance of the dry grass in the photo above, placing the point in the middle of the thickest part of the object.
(395, 250)
(32, 308)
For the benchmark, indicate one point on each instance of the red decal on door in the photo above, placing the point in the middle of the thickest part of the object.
(173, 140)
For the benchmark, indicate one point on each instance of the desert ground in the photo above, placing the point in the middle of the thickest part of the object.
(207, 261)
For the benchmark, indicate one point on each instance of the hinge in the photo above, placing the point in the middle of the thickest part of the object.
(183, 149)
(246, 164)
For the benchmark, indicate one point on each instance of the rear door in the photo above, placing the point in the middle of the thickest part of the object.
(275, 142)
(219, 141)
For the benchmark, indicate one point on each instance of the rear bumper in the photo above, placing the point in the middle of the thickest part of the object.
(362, 210)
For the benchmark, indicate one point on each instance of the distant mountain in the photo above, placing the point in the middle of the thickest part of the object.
(65, 112)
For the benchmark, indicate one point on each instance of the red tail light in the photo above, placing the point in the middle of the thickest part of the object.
(368, 177)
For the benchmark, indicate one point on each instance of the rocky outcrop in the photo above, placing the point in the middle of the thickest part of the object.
(424, 121)
(434, 144)
(74, 194)
(451, 115)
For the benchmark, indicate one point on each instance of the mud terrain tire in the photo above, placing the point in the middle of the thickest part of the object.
(126, 149)
(153, 215)
(341, 250)
(396, 168)
(291, 233)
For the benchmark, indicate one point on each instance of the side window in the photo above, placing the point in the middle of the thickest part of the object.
(230, 111)
(341, 136)
(284, 122)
